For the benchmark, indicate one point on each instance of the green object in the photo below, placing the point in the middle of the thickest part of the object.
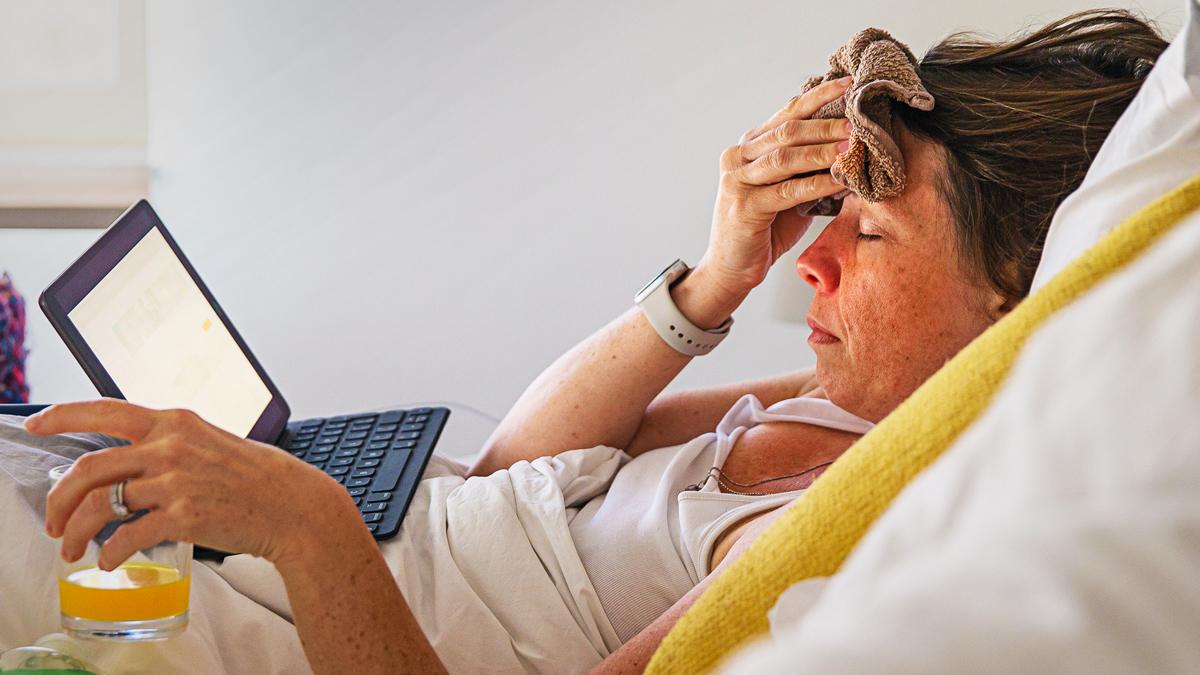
(43, 661)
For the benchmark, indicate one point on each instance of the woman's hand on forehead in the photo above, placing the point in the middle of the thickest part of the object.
(777, 165)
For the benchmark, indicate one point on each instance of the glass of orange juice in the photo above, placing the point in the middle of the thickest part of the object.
(145, 598)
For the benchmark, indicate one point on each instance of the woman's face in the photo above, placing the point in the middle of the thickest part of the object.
(893, 298)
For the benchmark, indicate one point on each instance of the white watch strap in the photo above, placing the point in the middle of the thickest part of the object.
(675, 328)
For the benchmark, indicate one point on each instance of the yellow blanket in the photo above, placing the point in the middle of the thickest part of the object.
(818, 532)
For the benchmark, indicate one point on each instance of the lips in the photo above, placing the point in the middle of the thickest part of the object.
(820, 335)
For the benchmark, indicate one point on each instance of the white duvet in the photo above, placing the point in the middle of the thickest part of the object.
(487, 564)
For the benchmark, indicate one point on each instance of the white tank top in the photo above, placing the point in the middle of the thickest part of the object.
(647, 541)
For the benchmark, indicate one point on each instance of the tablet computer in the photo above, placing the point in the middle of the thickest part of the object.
(144, 327)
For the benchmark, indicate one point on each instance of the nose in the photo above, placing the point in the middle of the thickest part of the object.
(818, 264)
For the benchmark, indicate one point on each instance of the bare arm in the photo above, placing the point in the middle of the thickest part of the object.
(681, 416)
(598, 392)
(349, 613)
(204, 485)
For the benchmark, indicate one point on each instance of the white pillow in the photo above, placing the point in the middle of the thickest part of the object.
(1154, 147)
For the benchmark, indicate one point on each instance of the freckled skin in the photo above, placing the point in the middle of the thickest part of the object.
(901, 306)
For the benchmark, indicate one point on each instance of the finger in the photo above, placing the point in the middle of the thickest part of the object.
(731, 159)
(787, 230)
(797, 132)
(92, 471)
(783, 163)
(149, 530)
(789, 193)
(107, 416)
(95, 511)
(805, 105)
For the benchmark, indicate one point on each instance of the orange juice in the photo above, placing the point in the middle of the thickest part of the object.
(139, 591)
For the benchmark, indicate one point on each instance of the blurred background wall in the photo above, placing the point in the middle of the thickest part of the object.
(400, 202)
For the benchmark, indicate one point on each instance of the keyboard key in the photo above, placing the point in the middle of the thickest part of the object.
(357, 492)
(379, 497)
(373, 507)
(420, 411)
(391, 416)
(349, 452)
(358, 501)
(324, 447)
(298, 453)
(351, 444)
(365, 416)
(372, 454)
(372, 517)
(401, 445)
(377, 445)
(340, 419)
(358, 482)
(318, 456)
(372, 527)
(299, 444)
(418, 418)
(364, 473)
(337, 470)
(387, 427)
(356, 435)
(389, 473)
(420, 426)
(342, 461)
(366, 463)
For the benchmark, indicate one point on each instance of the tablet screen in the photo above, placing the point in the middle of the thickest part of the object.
(163, 344)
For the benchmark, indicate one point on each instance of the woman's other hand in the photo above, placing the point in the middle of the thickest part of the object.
(754, 222)
(199, 483)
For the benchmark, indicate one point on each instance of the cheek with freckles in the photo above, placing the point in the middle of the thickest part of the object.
(881, 315)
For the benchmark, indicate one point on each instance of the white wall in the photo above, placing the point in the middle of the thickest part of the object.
(400, 201)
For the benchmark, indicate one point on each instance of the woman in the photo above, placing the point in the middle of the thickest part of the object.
(901, 285)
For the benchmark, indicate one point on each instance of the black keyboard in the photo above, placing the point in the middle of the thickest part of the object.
(378, 457)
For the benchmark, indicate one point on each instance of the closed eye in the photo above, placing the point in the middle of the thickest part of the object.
(869, 237)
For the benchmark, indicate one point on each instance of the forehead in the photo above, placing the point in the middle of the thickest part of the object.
(922, 200)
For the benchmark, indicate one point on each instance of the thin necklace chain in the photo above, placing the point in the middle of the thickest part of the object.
(728, 484)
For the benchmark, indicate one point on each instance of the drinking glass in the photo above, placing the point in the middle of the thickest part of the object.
(145, 598)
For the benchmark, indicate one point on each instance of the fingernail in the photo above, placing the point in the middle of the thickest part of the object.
(845, 80)
(842, 147)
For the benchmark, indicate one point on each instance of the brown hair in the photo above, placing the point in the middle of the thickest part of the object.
(1020, 120)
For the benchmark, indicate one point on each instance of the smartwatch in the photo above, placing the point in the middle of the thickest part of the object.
(671, 325)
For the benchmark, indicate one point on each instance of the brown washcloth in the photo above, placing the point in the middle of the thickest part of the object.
(884, 70)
